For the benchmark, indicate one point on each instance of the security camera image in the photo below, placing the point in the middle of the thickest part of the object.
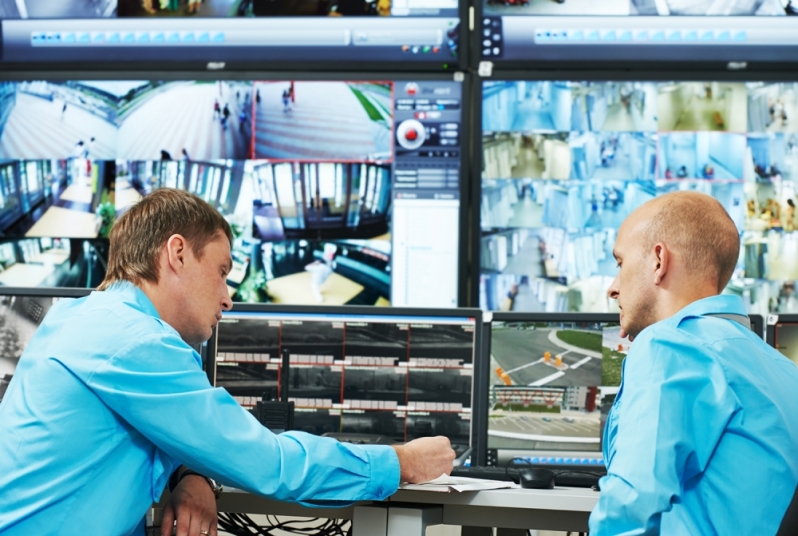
(63, 9)
(773, 107)
(556, 7)
(452, 387)
(614, 156)
(20, 316)
(46, 120)
(553, 355)
(376, 383)
(262, 8)
(787, 341)
(317, 421)
(613, 352)
(294, 120)
(702, 155)
(526, 155)
(447, 345)
(308, 341)
(387, 423)
(250, 380)
(184, 119)
(544, 418)
(315, 383)
(248, 336)
(457, 427)
(376, 343)
(541, 106)
(702, 106)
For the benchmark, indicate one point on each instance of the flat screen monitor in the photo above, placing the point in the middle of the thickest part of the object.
(737, 33)
(564, 162)
(225, 34)
(550, 381)
(398, 373)
(331, 184)
(782, 334)
(21, 312)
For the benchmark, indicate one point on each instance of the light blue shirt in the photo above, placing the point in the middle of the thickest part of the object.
(108, 400)
(703, 435)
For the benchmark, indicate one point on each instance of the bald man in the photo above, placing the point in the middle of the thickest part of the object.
(703, 435)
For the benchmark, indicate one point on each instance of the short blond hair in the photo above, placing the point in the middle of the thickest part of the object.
(139, 235)
(698, 226)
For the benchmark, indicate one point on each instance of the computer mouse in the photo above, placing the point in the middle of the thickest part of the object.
(536, 478)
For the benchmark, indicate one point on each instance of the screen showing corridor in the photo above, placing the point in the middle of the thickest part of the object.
(399, 376)
(549, 382)
(638, 30)
(564, 163)
(288, 32)
(331, 187)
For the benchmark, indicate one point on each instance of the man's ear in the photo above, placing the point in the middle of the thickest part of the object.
(662, 259)
(176, 249)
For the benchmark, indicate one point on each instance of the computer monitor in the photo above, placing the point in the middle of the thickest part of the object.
(329, 203)
(782, 334)
(733, 34)
(399, 373)
(21, 312)
(240, 34)
(549, 380)
(563, 162)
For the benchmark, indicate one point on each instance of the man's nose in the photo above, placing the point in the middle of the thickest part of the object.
(614, 289)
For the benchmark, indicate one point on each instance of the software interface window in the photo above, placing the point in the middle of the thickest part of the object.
(549, 382)
(637, 30)
(402, 377)
(414, 31)
(565, 162)
(329, 205)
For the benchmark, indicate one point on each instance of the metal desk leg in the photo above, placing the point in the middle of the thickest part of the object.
(370, 521)
(413, 520)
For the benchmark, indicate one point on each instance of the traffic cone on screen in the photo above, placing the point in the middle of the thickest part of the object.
(547, 357)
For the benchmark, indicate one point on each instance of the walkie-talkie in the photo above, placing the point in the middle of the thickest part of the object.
(277, 415)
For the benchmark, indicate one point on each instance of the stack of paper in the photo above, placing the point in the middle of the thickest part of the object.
(446, 483)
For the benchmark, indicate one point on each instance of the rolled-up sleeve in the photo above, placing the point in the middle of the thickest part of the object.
(672, 409)
(157, 386)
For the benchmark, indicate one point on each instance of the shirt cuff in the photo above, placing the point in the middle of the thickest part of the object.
(384, 465)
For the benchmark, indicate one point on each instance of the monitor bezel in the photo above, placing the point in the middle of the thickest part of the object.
(46, 292)
(466, 118)
(477, 437)
(576, 62)
(231, 67)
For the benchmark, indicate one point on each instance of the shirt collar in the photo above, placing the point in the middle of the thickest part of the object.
(722, 303)
(133, 295)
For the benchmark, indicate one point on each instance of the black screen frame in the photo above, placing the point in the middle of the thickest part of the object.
(477, 425)
(772, 321)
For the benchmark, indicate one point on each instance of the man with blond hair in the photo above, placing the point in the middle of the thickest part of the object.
(703, 434)
(109, 399)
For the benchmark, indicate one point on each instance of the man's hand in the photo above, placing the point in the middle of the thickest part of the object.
(193, 504)
(425, 459)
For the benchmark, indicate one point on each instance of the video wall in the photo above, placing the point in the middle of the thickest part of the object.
(551, 383)
(323, 198)
(773, 8)
(564, 163)
(397, 376)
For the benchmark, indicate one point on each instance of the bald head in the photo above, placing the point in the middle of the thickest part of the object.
(696, 227)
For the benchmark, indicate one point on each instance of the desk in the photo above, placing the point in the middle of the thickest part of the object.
(408, 513)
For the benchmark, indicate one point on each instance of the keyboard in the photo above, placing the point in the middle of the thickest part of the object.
(564, 477)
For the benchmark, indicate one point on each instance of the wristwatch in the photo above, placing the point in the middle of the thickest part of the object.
(215, 486)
